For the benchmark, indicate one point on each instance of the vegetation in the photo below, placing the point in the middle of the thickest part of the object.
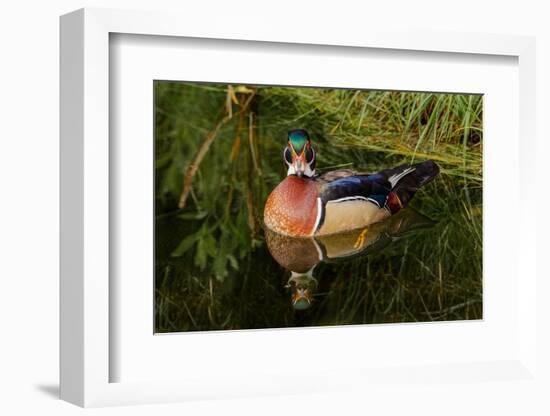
(218, 151)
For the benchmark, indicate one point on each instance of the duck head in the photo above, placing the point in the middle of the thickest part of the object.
(302, 288)
(299, 155)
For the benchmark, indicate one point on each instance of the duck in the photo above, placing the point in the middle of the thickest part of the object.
(307, 203)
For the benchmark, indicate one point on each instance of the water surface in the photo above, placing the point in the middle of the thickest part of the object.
(381, 274)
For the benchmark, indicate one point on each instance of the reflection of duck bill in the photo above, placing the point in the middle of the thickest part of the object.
(301, 299)
(301, 254)
(302, 287)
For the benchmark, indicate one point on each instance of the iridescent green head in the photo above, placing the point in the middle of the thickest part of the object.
(298, 139)
(299, 155)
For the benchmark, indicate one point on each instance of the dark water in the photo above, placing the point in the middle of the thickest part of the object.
(408, 268)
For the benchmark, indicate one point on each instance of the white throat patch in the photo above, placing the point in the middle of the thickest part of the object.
(307, 171)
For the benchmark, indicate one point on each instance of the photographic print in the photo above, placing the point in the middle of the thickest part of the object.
(280, 207)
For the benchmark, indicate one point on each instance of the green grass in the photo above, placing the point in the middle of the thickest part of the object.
(212, 267)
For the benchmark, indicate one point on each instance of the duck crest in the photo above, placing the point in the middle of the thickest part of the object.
(292, 207)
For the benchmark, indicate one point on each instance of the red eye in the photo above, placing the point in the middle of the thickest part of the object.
(309, 154)
(288, 156)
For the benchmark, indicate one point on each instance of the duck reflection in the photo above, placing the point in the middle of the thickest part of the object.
(301, 255)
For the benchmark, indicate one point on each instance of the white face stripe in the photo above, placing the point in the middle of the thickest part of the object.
(309, 172)
(291, 170)
(313, 157)
(306, 172)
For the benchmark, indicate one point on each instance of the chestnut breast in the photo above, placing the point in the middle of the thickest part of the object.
(291, 208)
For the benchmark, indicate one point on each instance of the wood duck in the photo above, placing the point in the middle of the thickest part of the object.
(307, 204)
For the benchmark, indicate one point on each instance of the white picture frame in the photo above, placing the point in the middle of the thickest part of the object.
(86, 355)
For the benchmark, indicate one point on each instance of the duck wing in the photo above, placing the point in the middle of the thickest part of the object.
(404, 180)
(373, 188)
(334, 175)
(348, 201)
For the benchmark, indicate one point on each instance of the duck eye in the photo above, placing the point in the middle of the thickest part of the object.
(288, 156)
(309, 154)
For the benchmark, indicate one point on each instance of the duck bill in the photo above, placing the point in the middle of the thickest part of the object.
(299, 165)
(301, 294)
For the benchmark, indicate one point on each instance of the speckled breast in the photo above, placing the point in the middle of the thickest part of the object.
(297, 254)
(291, 208)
